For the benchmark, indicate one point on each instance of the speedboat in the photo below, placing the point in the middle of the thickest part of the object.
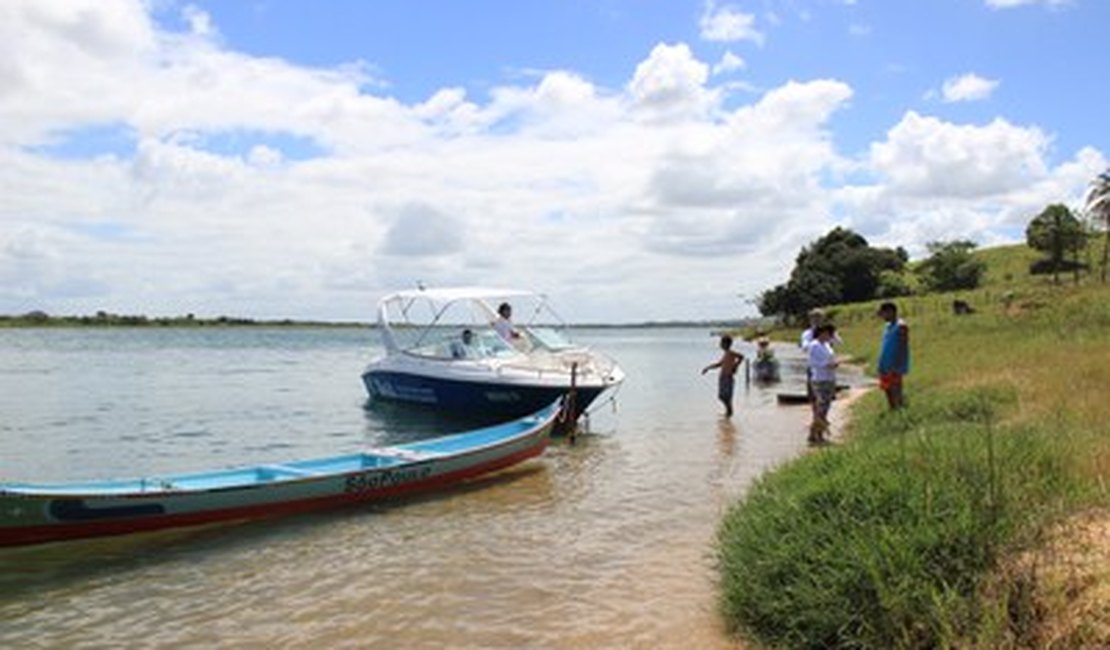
(443, 350)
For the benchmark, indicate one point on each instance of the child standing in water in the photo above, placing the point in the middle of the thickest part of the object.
(726, 380)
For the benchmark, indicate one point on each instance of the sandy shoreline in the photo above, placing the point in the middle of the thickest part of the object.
(840, 415)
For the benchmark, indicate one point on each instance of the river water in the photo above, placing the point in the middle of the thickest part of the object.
(606, 543)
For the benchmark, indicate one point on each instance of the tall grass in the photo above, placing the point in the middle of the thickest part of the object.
(887, 540)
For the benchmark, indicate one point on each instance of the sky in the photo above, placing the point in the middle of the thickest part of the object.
(635, 160)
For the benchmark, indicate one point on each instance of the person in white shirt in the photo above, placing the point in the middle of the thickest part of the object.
(817, 318)
(822, 371)
(504, 323)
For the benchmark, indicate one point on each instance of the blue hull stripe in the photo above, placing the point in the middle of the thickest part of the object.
(470, 397)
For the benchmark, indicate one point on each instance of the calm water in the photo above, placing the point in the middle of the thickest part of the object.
(603, 544)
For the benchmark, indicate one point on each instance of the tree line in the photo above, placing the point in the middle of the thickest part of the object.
(842, 267)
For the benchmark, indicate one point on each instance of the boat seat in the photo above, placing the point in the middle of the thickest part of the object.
(402, 454)
(285, 469)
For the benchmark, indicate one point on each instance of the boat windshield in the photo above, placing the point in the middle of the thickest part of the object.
(549, 338)
(456, 344)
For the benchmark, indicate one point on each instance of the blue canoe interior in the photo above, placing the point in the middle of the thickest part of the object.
(443, 447)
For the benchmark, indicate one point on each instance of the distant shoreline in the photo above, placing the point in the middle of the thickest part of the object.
(103, 319)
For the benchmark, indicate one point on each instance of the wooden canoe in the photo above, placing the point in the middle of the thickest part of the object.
(37, 513)
(801, 397)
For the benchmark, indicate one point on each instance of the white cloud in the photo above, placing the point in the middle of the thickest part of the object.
(728, 24)
(968, 88)
(726, 187)
(59, 54)
(56, 56)
(1009, 4)
(925, 156)
(263, 156)
(200, 23)
(671, 82)
(561, 105)
(420, 230)
(597, 195)
(729, 63)
(938, 180)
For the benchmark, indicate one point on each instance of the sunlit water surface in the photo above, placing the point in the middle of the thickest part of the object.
(607, 543)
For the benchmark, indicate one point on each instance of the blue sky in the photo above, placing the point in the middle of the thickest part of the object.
(636, 160)
(896, 53)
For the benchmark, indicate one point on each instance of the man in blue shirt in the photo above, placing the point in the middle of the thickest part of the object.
(894, 355)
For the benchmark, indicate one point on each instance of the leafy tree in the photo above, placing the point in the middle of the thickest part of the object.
(1055, 231)
(893, 284)
(951, 266)
(1098, 208)
(839, 267)
(779, 300)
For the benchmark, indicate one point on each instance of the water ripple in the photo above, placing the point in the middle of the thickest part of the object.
(606, 543)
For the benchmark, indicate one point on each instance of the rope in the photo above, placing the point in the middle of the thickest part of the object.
(612, 399)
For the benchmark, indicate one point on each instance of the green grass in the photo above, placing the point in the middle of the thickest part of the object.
(887, 540)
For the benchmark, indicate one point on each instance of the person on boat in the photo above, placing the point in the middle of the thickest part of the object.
(822, 365)
(504, 324)
(728, 364)
(465, 347)
(894, 355)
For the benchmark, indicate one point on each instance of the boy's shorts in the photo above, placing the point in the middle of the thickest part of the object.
(824, 392)
(725, 384)
(889, 380)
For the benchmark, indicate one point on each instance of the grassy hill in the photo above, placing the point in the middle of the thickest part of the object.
(979, 516)
(1008, 267)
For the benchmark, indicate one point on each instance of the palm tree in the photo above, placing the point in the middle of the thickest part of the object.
(1098, 207)
(1055, 231)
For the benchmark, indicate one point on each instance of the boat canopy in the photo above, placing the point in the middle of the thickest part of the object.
(429, 308)
(451, 294)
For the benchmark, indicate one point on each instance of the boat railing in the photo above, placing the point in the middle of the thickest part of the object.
(588, 363)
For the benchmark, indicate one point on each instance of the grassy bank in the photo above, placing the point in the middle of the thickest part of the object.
(932, 526)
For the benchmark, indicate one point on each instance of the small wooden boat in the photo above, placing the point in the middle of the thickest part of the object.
(36, 513)
(792, 398)
(801, 397)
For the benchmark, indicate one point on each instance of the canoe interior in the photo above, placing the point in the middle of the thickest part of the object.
(272, 473)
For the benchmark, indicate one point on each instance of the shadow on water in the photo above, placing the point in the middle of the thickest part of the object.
(394, 423)
(30, 570)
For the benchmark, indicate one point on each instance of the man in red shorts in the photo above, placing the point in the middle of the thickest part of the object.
(894, 355)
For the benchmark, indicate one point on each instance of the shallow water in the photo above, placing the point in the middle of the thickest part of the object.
(607, 543)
